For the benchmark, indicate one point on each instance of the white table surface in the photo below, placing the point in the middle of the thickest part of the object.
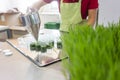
(18, 67)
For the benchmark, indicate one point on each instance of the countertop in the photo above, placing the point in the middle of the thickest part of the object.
(18, 67)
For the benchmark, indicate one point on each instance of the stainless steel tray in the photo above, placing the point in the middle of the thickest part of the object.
(34, 57)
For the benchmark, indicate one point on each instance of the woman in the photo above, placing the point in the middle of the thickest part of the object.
(73, 11)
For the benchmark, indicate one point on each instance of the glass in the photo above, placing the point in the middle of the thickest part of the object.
(59, 45)
(32, 20)
(38, 47)
(21, 42)
(32, 46)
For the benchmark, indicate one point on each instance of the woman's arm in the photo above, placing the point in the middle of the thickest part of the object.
(92, 14)
(38, 4)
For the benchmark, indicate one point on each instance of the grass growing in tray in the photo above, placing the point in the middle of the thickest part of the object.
(94, 54)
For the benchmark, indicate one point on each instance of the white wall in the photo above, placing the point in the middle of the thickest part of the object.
(109, 11)
(20, 4)
(4, 5)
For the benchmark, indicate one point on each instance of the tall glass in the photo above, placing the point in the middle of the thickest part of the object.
(32, 20)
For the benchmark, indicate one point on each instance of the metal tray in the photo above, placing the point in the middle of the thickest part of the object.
(34, 58)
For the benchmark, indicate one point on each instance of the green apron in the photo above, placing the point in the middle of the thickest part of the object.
(70, 14)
